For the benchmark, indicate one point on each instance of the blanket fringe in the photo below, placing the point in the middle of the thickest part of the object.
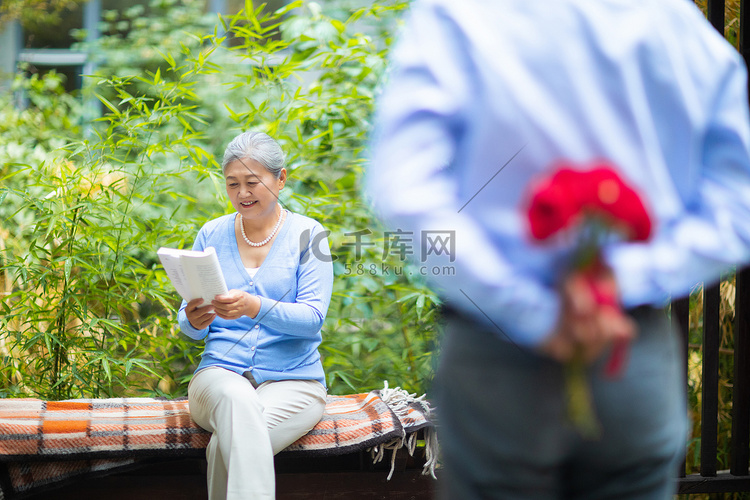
(398, 400)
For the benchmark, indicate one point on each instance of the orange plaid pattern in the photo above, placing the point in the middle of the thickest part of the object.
(46, 442)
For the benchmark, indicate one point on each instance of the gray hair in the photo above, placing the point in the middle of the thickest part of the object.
(255, 146)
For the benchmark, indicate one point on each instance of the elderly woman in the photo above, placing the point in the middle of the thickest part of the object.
(260, 383)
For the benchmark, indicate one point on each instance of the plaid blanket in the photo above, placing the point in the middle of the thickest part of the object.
(43, 443)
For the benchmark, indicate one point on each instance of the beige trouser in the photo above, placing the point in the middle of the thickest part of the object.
(250, 425)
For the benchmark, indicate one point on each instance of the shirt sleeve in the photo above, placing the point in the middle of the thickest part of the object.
(303, 315)
(423, 121)
(712, 232)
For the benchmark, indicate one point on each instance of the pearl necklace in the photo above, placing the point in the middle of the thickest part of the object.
(260, 244)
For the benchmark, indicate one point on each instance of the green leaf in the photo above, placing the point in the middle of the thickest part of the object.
(288, 7)
(106, 102)
(68, 265)
(340, 27)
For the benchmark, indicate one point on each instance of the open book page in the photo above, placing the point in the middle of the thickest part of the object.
(194, 274)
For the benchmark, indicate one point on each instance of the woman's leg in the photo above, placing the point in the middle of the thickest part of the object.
(291, 408)
(239, 455)
(216, 475)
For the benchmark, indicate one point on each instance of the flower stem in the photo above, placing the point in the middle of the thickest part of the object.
(580, 404)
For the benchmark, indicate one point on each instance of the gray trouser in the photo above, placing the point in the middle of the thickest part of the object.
(504, 431)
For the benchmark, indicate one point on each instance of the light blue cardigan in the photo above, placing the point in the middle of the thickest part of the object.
(294, 284)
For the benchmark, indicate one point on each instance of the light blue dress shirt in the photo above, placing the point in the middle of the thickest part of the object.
(486, 95)
(294, 284)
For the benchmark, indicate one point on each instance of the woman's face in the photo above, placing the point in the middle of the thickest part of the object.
(252, 189)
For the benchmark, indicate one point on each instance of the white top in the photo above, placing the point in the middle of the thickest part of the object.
(251, 271)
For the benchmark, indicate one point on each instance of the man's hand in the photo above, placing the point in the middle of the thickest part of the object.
(235, 304)
(200, 315)
(586, 325)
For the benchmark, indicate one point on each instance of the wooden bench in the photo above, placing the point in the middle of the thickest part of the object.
(349, 476)
(377, 443)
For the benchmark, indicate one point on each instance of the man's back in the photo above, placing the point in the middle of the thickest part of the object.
(484, 96)
(516, 86)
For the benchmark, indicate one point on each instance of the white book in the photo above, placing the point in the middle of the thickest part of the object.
(195, 274)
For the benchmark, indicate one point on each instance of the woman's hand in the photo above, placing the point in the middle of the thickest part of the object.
(198, 314)
(235, 304)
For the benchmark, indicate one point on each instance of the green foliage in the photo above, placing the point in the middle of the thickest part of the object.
(88, 311)
(34, 11)
(34, 133)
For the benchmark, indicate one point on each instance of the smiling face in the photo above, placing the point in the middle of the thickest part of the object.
(253, 190)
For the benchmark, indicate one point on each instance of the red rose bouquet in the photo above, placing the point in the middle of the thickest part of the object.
(591, 205)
